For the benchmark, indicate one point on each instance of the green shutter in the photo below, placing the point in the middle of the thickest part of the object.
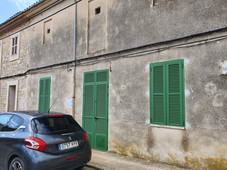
(44, 94)
(158, 94)
(167, 93)
(174, 92)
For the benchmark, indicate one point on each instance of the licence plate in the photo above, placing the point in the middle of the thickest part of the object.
(68, 145)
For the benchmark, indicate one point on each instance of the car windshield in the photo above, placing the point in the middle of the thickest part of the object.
(58, 125)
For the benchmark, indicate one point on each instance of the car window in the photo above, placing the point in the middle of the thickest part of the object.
(4, 119)
(46, 125)
(14, 123)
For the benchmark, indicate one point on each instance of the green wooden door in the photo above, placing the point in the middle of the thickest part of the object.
(95, 108)
(44, 94)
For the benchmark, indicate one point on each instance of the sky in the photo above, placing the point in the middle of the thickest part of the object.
(10, 7)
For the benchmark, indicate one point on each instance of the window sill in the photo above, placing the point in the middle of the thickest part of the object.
(13, 58)
(168, 127)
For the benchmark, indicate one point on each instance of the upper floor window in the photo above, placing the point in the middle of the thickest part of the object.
(14, 48)
(47, 32)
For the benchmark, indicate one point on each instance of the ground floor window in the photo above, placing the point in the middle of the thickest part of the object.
(167, 93)
(44, 94)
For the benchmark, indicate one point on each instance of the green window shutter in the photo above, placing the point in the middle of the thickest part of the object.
(174, 92)
(102, 76)
(41, 95)
(167, 93)
(44, 94)
(157, 93)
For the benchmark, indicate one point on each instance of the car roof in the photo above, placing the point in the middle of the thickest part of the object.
(34, 113)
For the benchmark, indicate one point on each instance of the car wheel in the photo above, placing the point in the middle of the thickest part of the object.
(80, 168)
(17, 164)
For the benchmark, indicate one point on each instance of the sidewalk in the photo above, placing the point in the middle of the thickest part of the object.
(109, 161)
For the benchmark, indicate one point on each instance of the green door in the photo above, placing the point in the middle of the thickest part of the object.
(95, 108)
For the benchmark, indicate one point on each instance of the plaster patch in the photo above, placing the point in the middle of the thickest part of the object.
(187, 92)
(147, 68)
(187, 126)
(113, 92)
(21, 104)
(218, 42)
(148, 94)
(217, 101)
(210, 88)
(147, 122)
(186, 62)
(123, 87)
(163, 52)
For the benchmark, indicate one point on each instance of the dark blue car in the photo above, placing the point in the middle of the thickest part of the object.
(37, 141)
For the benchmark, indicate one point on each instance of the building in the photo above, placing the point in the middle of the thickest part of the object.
(146, 82)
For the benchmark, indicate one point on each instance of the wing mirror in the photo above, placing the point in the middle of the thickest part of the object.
(22, 127)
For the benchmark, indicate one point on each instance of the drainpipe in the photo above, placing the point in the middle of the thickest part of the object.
(74, 66)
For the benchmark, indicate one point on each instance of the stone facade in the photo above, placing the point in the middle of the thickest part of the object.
(125, 37)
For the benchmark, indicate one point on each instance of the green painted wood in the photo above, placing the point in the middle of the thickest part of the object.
(157, 94)
(95, 108)
(170, 96)
(44, 94)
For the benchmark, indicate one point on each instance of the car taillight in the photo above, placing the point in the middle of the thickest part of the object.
(85, 136)
(35, 144)
(56, 116)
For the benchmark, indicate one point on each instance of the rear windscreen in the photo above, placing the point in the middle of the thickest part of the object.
(47, 125)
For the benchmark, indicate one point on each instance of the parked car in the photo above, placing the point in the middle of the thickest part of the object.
(42, 141)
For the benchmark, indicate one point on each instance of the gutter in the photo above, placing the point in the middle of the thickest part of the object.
(74, 64)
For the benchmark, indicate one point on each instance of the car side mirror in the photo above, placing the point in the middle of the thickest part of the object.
(22, 127)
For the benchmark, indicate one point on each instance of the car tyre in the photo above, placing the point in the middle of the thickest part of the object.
(17, 164)
(81, 167)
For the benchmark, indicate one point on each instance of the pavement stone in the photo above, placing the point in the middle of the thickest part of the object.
(112, 161)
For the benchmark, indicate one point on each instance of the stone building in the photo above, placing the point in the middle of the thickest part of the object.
(142, 77)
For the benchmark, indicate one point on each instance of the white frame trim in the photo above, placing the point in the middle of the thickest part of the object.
(15, 57)
(11, 83)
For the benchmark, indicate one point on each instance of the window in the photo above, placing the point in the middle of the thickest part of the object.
(14, 51)
(44, 94)
(47, 32)
(167, 93)
(14, 123)
(4, 119)
(97, 10)
(97, 27)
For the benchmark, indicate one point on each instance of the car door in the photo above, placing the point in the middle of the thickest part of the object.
(10, 138)
(4, 119)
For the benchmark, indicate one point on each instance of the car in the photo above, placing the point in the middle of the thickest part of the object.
(30, 140)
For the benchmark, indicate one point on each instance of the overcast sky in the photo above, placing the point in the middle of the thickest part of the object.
(10, 7)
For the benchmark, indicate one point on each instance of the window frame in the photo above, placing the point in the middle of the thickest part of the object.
(14, 56)
(166, 93)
